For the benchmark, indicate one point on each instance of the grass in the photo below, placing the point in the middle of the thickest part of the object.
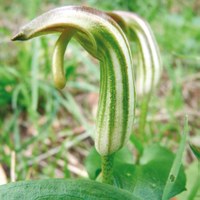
(42, 125)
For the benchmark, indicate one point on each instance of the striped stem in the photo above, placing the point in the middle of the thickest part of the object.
(107, 168)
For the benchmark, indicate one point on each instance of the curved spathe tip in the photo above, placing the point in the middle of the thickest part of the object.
(19, 36)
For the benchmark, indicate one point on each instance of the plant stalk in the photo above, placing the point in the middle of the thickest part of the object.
(143, 117)
(107, 168)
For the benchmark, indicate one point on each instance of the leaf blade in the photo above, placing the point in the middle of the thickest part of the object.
(62, 189)
(176, 163)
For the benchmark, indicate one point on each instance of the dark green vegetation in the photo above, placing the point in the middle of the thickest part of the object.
(49, 130)
(65, 190)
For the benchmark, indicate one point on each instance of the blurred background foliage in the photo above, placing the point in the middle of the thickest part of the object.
(47, 132)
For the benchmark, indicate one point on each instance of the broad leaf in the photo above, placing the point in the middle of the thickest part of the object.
(193, 183)
(60, 189)
(146, 180)
(156, 152)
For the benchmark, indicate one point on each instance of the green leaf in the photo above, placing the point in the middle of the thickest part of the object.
(157, 152)
(193, 183)
(175, 169)
(146, 180)
(93, 161)
(60, 189)
(93, 164)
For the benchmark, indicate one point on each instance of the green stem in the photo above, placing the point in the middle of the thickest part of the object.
(143, 117)
(107, 168)
(139, 146)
